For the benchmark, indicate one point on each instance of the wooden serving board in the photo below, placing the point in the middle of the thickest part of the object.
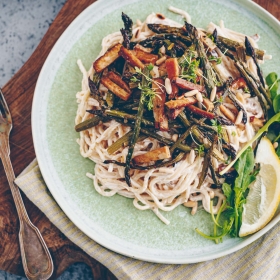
(19, 94)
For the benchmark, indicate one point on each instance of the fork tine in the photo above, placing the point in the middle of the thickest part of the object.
(4, 107)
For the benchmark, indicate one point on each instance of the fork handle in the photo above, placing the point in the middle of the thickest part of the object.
(36, 258)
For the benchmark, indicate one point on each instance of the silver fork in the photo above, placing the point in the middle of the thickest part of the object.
(36, 258)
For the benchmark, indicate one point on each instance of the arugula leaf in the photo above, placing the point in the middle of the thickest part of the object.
(228, 192)
(276, 104)
(272, 82)
(244, 167)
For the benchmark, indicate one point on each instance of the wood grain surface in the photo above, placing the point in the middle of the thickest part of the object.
(19, 93)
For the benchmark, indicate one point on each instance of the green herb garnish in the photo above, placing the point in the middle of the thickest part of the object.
(189, 67)
(273, 84)
(212, 58)
(148, 93)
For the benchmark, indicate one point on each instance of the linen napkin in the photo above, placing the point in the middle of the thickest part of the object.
(259, 260)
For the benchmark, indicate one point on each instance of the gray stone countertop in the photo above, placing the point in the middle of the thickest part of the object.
(23, 24)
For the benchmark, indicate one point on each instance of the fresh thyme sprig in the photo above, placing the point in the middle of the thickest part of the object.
(218, 60)
(189, 67)
(218, 127)
(148, 93)
(200, 149)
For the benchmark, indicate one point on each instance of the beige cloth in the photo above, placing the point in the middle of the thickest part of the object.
(260, 260)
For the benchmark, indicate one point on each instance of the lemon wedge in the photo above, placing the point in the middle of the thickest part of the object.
(264, 193)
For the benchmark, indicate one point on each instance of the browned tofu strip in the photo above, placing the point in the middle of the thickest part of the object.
(157, 154)
(172, 68)
(183, 84)
(201, 112)
(173, 71)
(179, 103)
(106, 59)
(160, 117)
(110, 85)
(146, 57)
(118, 80)
(131, 58)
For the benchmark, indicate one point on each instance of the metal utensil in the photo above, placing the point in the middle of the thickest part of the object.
(36, 258)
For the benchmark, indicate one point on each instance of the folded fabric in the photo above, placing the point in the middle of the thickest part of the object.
(259, 260)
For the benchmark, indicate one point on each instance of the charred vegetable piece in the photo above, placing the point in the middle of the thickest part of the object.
(137, 127)
(208, 73)
(154, 155)
(161, 121)
(240, 53)
(252, 85)
(166, 141)
(206, 163)
(232, 45)
(108, 58)
(213, 173)
(126, 40)
(251, 52)
(126, 116)
(229, 150)
(181, 139)
(113, 87)
(132, 106)
(262, 90)
(149, 42)
(238, 105)
(183, 84)
(88, 123)
(123, 142)
(224, 121)
(128, 23)
(95, 93)
(110, 97)
(161, 28)
(183, 118)
(131, 58)
(227, 43)
(127, 31)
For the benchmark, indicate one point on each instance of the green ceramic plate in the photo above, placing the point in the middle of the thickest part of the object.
(114, 222)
